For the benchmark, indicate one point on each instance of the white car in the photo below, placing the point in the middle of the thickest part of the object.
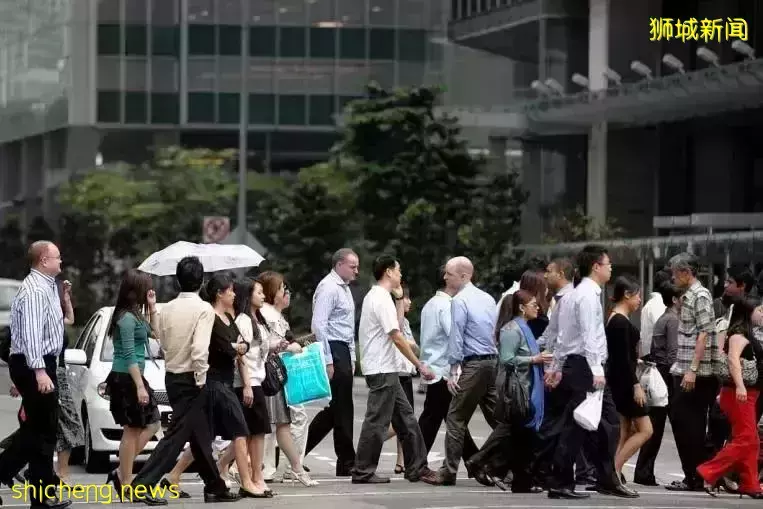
(8, 290)
(88, 363)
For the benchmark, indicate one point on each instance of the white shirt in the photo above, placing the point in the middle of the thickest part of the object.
(581, 327)
(552, 334)
(514, 288)
(653, 309)
(405, 366)
(378, 317)
(255, 357)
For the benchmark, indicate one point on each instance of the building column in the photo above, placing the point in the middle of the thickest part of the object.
(497, 146)
(598, 61)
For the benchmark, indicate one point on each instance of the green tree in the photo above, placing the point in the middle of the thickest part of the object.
(573, 225)
(13, 263)
(39, 229)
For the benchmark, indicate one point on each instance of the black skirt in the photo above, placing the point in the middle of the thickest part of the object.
(257, 418)
(123, 402)
(226, 419)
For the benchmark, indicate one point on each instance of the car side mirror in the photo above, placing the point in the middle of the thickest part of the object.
(77, 357)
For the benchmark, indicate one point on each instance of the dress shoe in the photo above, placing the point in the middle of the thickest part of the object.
(618, 490)
(222, 496)
(342, 470)
(427, 476)
(374, 479)
(52, 503)
(533, 491)
(646, 482)
(567, 493)
(479, 474)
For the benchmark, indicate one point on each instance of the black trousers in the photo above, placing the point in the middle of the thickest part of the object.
(36, 441)
(190, 423)
(509, 447)
(435, 411)
(647, 457)
(577, 381)
(339, 415)
(689, 416)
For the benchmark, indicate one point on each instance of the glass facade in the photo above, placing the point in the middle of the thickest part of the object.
(179, 62)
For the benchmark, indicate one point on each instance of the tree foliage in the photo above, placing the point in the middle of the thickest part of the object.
(573, 225)
(13, 264)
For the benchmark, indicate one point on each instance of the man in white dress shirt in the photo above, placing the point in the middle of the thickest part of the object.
(581, 352)
(652, 311)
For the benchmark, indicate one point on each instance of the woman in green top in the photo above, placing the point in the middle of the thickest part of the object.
(131, 399)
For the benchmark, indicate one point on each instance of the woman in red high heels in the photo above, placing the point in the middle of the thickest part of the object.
(737, 400)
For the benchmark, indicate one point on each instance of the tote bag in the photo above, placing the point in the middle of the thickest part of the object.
(307, 380)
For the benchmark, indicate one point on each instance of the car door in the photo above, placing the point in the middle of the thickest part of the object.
(77, 374)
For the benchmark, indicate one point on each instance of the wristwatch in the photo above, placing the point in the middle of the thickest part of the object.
(693, 368)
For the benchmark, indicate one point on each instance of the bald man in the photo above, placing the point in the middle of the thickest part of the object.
(473, 359)
(37, 337)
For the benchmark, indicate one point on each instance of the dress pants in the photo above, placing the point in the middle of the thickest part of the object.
(339, 415)
(477, 382)
(647, 457)
(741, 453)
(509, 447)
(435, 411)
(190, 423)
(577, 381)
(387, 404)
(689, 415)
(36, 441)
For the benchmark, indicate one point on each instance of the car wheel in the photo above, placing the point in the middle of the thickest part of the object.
(96, 462)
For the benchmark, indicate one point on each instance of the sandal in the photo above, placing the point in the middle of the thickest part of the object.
(399, 469)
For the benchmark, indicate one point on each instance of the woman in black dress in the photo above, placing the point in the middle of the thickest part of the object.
(622, 360)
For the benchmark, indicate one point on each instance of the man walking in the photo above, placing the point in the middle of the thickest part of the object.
(473, 359)
(334, 327)
(184, 328)
(579, 358)
(380, 339)
(37, 337)
(695, 385)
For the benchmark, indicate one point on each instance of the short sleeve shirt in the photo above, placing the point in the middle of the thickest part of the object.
(378, 317)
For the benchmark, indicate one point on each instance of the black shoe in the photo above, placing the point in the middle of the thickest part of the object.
(52, 503)
(113, 478)
(618, 490)
(343, 470)
(374, 479)
(479, 474)
(304, 467)
(251, 494)
(150, 500)
(223, 496)
(568, 494)
(164, 483)
(646, 482)
(533, 491)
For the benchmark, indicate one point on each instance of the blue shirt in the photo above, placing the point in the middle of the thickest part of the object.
(473, 319)
(37, 320)
(435, 333)
(333, 314)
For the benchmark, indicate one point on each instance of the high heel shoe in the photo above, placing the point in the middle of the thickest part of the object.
(113, 478)
(712, 489)
(398, 468)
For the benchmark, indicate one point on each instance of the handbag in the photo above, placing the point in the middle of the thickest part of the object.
(588, 413)
(516, 398)
(749, 371)
(275, 375)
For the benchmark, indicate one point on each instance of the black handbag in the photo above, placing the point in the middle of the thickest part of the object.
(516, 398)
(275, 375)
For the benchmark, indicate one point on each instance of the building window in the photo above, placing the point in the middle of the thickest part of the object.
(352, 43)
(165, 41)
(262, 41)
(229, 40)
(454, 9)
(262, 109)
(228, 106)
(201, 39)
(165, 108)
(344, 101)
(136, 108)
(291, 110)
(322, 42)
(136, 40)
(201, 107)
(109, 106)
(109, 40)
(412, 45)
(321, 110)
(292, 42)
(382, 44)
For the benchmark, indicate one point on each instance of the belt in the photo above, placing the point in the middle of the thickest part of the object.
(480, 357)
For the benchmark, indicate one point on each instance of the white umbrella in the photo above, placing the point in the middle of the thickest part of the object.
(214, 257)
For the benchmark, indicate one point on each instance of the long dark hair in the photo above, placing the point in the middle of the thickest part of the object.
(242, 305)
(740, 321)
(510, 309)
(535, 284)
(219, 282)
(131, 297)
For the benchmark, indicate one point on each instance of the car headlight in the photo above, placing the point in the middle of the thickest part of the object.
(102, 392)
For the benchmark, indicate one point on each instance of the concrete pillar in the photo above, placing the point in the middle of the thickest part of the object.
(598, 60)
(497, 146)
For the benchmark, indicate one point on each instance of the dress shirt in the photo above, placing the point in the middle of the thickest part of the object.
(406, 367)
(435, 332)
(510, 291)
(581, 326)
(551, 335)
(653, 310)
(37, 320)
(184, 329)
(473, 318)
(334, 314)
(696, 316)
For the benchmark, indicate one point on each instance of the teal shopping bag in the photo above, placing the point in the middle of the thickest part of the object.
(307, 378)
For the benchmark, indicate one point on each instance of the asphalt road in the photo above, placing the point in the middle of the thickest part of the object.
(400, 494)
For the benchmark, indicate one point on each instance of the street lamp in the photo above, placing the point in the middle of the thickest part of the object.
(641, 69)
(743, 48)
(674, 63)
(243, 129)
(581, 80)
(709, 56)
(613, 76)
(555, 86)
(541, 88)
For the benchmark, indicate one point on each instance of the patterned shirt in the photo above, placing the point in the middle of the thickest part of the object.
(696, 316)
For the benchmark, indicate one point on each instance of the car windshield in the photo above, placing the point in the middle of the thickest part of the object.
(7, 293)
(107, 353)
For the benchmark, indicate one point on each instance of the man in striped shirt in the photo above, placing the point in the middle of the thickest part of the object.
(37, 336)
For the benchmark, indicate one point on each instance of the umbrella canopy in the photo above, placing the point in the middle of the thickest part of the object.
(214, 257)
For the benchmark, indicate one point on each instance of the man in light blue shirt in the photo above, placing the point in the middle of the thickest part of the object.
(333, 324)
(473, 359)
(435, 335)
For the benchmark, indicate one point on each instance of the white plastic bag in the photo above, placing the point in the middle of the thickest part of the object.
(654, 387)
(588, 413)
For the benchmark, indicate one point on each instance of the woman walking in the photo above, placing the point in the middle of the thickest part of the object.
(131, 399)
(622, 353)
